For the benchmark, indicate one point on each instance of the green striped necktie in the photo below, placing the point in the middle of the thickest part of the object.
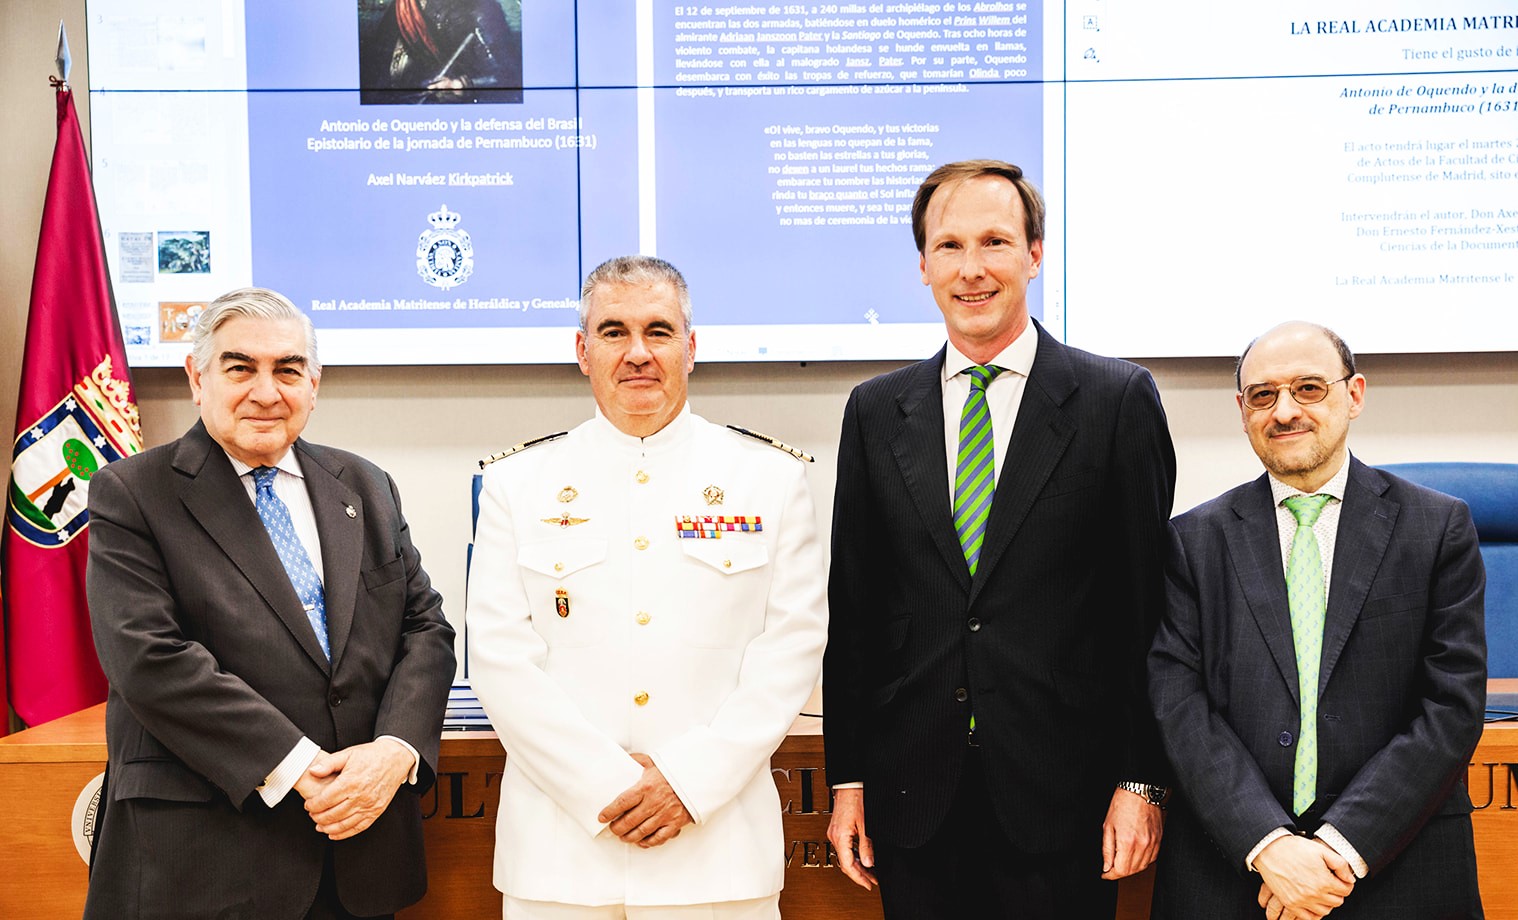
(975, 470)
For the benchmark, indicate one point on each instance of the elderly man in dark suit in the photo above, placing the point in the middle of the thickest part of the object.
(1320, 674)
(996, 580)
(278, 660)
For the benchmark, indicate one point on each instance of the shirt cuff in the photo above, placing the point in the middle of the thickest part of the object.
(283, 778)
(849, 786)
(1339, 844)
(416, 759)
(1265, 841)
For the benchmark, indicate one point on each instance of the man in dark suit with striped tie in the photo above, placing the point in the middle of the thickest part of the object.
(1320, 674)
(996, 580)
(277, 658)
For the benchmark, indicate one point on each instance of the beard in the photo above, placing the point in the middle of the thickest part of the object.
(1297, 461)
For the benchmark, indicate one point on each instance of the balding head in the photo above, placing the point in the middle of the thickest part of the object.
(1298, 392)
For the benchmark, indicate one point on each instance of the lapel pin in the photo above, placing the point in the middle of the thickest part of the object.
(568, 494)
(561, 602)
(564, 520)
(348, 510)
(712, 494)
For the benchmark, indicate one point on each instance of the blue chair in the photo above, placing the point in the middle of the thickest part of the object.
(1491, 491)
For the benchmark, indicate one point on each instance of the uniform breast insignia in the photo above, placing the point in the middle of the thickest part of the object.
(796, 452)
(561, 602)
(712, 494)
(712, 527)
(568, 494)
(521, 447)
(564, 520)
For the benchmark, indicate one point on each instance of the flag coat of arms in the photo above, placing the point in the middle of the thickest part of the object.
(74, 414)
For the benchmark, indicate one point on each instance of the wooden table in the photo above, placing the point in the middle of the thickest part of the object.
(47, 772)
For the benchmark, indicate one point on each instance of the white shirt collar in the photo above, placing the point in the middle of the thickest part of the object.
(287, 463)
(1017, 357)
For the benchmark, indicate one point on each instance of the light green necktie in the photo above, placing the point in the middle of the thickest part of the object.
(1306, 597)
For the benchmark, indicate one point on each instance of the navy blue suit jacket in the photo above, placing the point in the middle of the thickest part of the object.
(1045, 644)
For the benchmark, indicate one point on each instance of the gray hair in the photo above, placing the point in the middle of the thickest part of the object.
(255, 303)
(635, 270)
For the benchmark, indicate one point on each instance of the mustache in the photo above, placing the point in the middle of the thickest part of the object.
(1274, 430)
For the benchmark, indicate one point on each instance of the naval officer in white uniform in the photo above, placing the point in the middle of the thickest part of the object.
(647, 615)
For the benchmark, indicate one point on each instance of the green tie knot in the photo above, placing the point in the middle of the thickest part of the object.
(981, 376)
(1306, 508)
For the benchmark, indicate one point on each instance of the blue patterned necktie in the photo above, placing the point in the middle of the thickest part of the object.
(308, 585)
(1308, 602)
(975, 470)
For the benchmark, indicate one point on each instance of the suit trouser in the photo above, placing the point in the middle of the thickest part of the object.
(327, 905)
(755, 909)
(970, 870)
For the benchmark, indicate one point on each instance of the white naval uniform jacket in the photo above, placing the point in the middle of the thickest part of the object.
(697, 652)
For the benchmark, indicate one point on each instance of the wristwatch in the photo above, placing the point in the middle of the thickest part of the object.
(1154, 795)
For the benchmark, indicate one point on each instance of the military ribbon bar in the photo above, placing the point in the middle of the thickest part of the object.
(711, 527)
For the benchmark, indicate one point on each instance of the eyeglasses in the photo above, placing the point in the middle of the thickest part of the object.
(1306, 391)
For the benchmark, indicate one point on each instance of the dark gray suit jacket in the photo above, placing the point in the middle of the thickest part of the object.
(1401, 696)
(215, 674)
(1046, 642)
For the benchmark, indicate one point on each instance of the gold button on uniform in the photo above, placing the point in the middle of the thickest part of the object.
(641, 699)
(558, 566)
(727, 563)
(643, 618)
(640, 543)
(642, 477)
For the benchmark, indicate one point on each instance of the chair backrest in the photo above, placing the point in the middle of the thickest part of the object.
(1491, 491)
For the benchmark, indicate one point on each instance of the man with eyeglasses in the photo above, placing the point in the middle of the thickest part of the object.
(1319, 677)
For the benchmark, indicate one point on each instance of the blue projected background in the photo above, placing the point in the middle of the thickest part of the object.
(432, 180)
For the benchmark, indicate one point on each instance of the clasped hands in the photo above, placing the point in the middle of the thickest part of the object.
(348, 790)
(1304, 879)
(649, 812)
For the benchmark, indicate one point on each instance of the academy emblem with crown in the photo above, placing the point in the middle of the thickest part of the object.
(444, 254)
(55, 458)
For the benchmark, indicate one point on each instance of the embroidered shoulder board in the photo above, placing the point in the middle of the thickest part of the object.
(796, 452)
(521, 447)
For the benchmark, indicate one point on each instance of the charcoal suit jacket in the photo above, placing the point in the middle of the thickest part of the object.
(215, 673)
(1402, 687)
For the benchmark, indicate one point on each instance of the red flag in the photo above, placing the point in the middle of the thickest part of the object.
(74, 413)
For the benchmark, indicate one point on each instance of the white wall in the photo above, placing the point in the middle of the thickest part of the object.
(427, 426)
